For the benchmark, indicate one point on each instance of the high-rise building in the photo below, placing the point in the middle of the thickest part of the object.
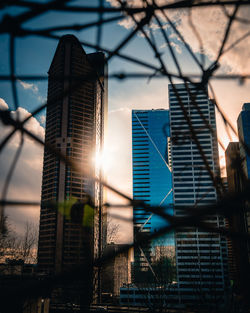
(152, 183)
(75, 118)
(116, 272)
(238, 260)
(243, 124)
(201, 257)
(238, 175)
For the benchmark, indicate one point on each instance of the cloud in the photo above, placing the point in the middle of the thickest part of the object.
(3, 104)
(34, 89)
(177, 47)
(28, 86)
(128, 22)
(43, 119)
(210, 23)
(25, 183)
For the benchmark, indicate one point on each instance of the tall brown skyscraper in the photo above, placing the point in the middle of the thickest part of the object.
(76, 113)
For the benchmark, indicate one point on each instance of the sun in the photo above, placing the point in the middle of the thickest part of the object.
(102, 161)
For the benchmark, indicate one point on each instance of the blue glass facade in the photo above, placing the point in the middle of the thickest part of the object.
(152, 178)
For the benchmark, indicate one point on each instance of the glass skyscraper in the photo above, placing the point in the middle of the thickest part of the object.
(201, 257)
(152, 183)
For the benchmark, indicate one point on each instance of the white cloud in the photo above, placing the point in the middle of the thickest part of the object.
(43, 119)
(25, 183)
(32, 125)
(3, 104)
(33, 88)
(210, 23)
(28, 86)
(177, 47)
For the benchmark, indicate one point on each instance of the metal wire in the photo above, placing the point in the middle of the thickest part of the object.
(15, 27)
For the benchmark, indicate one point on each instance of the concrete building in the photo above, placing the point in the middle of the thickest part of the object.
(201, 257)
(152, 183)
(116, 272)
(75, 118)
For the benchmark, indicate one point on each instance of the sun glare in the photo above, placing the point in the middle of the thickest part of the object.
(102, 161)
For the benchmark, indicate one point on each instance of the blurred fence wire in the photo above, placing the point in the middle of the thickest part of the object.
(144, 15)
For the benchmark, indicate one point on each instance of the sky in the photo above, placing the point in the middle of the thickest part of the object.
(34, 55)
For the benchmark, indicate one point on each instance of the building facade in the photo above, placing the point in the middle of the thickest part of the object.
(152, 183)
(238, 174)
(201, 257)
(116, 272)
(238, 259)
(155, 298)
(75, 118)
(243, 124)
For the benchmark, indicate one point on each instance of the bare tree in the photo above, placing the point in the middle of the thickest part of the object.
(7, 241)
(112, 233)
(24, 247)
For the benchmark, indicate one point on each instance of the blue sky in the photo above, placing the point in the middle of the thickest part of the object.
(34, 55)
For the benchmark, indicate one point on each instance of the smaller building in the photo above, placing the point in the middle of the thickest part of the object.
(238, 220)
(20, 282)
(116, 273)
(36, 305)
(17, 267)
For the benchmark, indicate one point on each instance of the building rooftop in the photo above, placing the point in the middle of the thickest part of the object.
(246, 106)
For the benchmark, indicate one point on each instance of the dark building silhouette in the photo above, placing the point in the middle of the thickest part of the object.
(116, 272)
(237, 250)
(243, 124)
(75, 118)
(238, 173)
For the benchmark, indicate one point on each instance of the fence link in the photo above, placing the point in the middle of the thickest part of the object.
(144, 17)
